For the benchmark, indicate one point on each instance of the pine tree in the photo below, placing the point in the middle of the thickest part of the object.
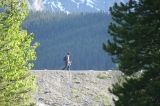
(16, 55)
(135, 46)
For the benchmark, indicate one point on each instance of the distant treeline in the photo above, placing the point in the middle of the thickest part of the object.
(80, 34)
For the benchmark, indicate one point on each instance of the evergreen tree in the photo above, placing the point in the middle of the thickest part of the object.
(135, 46)
(16, 55)
(59, 33)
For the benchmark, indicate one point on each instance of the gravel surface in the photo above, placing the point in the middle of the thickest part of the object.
(75, 88)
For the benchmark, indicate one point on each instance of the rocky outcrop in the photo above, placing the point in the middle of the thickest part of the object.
(75, 88)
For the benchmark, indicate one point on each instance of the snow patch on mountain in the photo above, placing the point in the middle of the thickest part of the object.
(69, 6)
(90, 3)
(37, 5)
(60, 6)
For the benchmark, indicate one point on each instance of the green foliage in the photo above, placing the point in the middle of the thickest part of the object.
(135, 46)
(102, 76)
(16, 56)
(135, 37)
(139, 92)
(104, 99)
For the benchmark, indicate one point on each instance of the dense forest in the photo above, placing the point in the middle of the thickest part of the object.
(80, 34)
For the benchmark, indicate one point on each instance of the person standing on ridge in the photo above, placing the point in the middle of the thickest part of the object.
(67, 61)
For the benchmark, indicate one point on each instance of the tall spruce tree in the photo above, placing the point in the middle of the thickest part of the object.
(16, 55)
(136, 46)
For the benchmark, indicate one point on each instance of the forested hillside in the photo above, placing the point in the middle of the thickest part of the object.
(80, 34)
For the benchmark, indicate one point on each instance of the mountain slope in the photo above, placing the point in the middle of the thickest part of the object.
(72, 6)
(80, 34)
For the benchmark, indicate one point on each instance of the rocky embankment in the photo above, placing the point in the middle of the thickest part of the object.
(75, 88)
